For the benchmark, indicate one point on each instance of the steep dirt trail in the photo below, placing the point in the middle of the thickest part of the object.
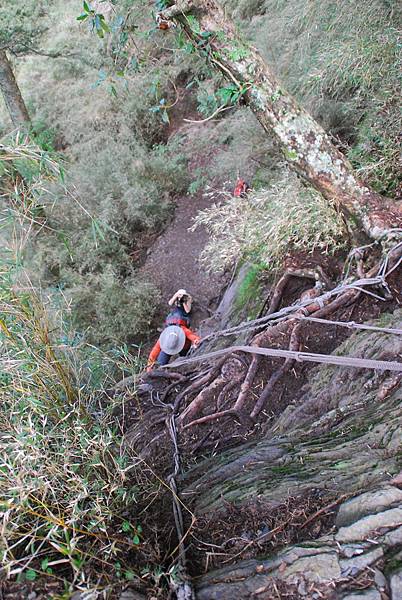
(173, 260)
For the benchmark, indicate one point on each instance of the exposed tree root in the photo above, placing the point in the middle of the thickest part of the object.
(208, 418)
(231, 373)
(389, 385)
(195, 386)
(215, 390)
(171, 387)
(281, 329)
(316, 274)
(295, 344)
(220, 383)
(225, 394)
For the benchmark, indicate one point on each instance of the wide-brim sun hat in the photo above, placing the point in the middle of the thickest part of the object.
(172, 340)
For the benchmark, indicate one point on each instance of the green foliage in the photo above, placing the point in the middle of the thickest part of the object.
(207, 100)
(199, 183)
(250, 291)
(230, 94)
(25, 172)
(44, 136)
(96, 20)
(110, 310)
(22, 24)
(161, 5)
(118, 186)
(265, 226)
(193, 23)
(63, 481)
(342, 60)
(238, 52)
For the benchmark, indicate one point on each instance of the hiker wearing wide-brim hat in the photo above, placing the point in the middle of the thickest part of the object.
(177, 337)
(172, 340)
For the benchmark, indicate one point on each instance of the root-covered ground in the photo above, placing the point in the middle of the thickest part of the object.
(254, 479)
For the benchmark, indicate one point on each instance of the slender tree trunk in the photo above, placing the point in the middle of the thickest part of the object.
(304, 143)
(11, 93)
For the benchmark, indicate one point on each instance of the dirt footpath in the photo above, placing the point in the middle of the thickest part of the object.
(173, 260)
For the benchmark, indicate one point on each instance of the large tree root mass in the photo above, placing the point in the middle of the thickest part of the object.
(219, 385)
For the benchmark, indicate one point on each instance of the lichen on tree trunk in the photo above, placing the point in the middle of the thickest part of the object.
(304, 143)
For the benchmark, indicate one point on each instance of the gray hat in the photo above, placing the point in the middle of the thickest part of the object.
(172, 339)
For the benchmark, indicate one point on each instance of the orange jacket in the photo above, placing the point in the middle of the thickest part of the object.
(190, 335)
(241, 188)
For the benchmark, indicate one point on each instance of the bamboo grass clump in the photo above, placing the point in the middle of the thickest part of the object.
(268, 224)
(65, 488)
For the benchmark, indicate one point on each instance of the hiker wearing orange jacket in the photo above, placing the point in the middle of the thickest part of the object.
(177, 337)
(242, 188)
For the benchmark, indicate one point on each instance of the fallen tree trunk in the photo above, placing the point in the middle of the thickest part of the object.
(304, 143)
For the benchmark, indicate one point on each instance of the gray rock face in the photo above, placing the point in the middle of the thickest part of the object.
(371, 594)
(352, 566)
(393, 538)
(380, 580)
(131, 595)
(318, 568)
(396, 586)
(368, 504)
(366, 526)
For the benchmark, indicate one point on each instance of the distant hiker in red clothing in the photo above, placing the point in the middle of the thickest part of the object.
(177, 337)
(242, 188)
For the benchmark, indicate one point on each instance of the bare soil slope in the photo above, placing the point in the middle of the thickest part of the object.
(173, 260)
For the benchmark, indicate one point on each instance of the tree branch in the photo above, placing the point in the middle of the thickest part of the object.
(68, 56)
(181, 7)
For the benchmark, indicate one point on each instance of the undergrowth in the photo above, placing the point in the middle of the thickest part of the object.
(342, 61)
(121, 175)
(268, 224)
(68, 491)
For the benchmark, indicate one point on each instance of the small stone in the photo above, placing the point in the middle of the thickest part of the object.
(131, 595)
(352, 550)
(379, 579)
(397, 481)
(351, 566)
(32, 596)
(301, 588)
(317, 568)
(393, 538)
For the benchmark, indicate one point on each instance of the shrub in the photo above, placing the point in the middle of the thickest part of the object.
(112, 311)
(265, 226)
(64, 483)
